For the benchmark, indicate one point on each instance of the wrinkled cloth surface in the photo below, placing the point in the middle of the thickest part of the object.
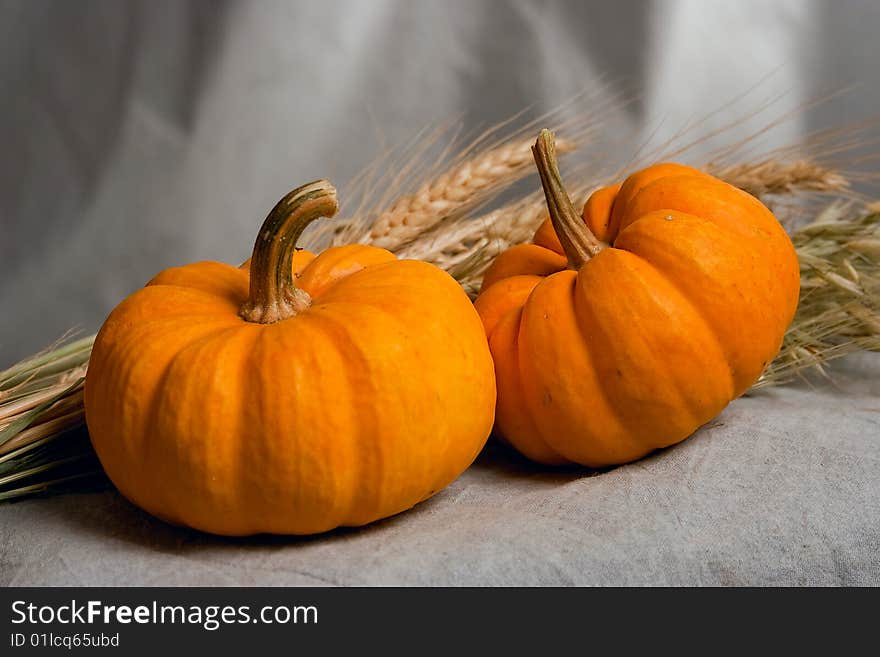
(783, 488)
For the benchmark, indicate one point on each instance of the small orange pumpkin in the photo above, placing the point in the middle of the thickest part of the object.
(235, 402)
(626, 329)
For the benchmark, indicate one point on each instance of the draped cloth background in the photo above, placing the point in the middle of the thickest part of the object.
(140, 135)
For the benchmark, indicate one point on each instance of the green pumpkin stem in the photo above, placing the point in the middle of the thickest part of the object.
(578, 241)
(273, 295)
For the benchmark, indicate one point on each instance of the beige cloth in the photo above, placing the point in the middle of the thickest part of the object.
(782, 489)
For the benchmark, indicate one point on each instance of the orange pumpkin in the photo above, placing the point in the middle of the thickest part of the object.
(623, 330)
(236, 402)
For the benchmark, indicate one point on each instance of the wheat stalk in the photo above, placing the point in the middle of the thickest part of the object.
(466, 247)
(42, 424)
(461, 188)
(770, 177)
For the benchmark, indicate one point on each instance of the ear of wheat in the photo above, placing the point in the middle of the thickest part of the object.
(449, 214)
(453, 193)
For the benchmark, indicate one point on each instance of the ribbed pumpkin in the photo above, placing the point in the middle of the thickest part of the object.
(238, 402)
(625, 329)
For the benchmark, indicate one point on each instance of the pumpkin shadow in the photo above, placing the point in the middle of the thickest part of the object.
(107, 514)
(500, 459)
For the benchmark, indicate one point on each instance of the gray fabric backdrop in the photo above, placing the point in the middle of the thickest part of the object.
(138, 135)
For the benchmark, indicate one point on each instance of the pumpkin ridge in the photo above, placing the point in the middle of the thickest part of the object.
(677, 402)
(323, 318)
(347, 301)
(120, 361)
(143, 444)
(536, 435)
(144, 449)
(215, 278)
(666, 169)
(240, 473)
(504, 293)
(356, 281)
(745, 230)
(547, 436)
(698, 311)
(323, 272)
(697, 308)
(146, 306)
(283, 397)
(665, 253)
(579, 300)
(540, 263)
(171, 488)
(623, 218)
(597, 210)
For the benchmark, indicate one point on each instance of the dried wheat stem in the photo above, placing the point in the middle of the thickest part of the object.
(71, 401)
(511, 224)
(38, 469)
(467, 247)
(10, 411)
(771, 176)
(44, 486)
(78, 351)
(462, 187)
(71, 420)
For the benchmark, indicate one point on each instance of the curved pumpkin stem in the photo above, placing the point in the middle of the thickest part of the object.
(273, 296)
(578, 241)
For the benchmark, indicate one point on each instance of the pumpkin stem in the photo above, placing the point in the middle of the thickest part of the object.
(273, 296)
(578, 241)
